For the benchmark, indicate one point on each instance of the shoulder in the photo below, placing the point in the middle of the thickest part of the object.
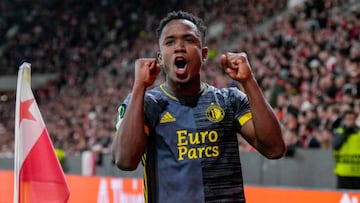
(154, 95)
(155, 100)
(229, 92)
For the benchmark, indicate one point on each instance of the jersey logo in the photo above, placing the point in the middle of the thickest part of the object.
(167, 117)
(215, 113)
(120, 115)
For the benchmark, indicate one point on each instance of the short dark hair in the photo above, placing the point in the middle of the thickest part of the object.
(349, 112)
(199, 23)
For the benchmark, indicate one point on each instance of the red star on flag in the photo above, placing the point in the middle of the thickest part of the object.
(25, 110)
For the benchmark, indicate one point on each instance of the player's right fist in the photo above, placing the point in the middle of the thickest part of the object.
(146, 71)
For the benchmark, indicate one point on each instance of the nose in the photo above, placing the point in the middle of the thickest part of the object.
(179, 46)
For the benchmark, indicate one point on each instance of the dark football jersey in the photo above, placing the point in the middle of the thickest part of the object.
(192, 154)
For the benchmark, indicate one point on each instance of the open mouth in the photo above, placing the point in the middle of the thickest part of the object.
(180, 64)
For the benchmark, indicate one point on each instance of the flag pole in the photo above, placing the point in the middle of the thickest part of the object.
(34, 181)
(17, 134)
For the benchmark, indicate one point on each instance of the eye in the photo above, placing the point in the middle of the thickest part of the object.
(169, 42)
(189, 39)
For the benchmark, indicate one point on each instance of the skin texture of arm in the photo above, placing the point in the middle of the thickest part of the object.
(130, 140)
(263, 131)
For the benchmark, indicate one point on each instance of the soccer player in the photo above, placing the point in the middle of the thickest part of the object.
(185, 130)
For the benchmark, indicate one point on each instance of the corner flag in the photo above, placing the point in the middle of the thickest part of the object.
(38, 176)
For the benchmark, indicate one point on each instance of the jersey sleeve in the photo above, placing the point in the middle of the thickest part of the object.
(242, 107)
(152, 109)
(121, 111)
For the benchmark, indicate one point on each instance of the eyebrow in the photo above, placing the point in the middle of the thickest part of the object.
(182, 36)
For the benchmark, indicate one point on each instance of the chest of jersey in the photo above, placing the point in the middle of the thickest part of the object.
(194, 132)
(192, 150)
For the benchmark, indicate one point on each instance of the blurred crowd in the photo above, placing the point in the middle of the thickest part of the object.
(307, 61)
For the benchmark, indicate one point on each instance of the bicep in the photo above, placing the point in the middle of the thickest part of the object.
(248, 132)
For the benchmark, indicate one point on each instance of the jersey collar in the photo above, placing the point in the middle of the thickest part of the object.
(169, 93)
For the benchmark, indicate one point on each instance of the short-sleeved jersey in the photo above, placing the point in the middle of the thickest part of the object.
(192, 154)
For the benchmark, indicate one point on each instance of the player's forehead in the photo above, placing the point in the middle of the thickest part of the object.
(179, 26)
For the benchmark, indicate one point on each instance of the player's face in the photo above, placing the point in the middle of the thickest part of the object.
(181, 53)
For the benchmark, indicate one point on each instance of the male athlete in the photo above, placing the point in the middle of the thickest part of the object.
(185, 131)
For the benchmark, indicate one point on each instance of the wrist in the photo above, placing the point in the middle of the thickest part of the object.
(138, 88)
(248, 83)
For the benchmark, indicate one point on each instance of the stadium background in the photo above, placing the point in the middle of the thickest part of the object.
(305, 55)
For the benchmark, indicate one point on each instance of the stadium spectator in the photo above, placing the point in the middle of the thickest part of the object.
(346, 147)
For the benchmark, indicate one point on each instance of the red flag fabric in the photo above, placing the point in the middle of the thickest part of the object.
(38, 173)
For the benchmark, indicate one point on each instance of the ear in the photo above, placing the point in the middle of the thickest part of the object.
(204, 53)
(159, 57)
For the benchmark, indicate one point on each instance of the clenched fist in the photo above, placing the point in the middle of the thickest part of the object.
(146, 71)
(237, 66)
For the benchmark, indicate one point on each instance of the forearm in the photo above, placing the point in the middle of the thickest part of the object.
(264, 131)
(130, 140)
(268, 135)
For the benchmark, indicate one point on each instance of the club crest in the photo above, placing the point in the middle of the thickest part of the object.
(215, 113)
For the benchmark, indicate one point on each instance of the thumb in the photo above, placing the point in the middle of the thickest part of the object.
(223, 60)
(155, 68)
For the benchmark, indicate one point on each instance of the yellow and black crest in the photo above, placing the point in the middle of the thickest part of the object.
(215, 113)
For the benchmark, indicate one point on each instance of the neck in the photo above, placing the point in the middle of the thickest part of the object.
(190, 89)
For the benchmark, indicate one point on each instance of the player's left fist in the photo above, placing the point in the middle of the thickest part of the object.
(237, 66)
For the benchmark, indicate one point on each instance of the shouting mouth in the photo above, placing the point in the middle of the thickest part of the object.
(180, 64)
